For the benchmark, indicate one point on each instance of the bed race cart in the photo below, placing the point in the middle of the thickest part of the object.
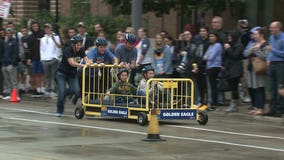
(171, 97)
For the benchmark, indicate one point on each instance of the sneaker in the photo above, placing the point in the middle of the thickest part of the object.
(52, 94)
(38, 90)
(47, 94)
(42, 90)
(6, 97)
(35, 92)
(246, 99)
(58, 114)
(232, 109)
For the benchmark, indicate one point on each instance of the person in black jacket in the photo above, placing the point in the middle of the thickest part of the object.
(201, 47)
(10, 61)
(1, 75)
(34, 59)
(232, 58)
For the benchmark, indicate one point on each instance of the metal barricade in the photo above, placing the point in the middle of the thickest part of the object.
(96, 81)
(165, 93)
(172, 98)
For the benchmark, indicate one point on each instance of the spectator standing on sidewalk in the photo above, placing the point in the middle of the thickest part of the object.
(162, 61)
(25, 44)
(87, 40)
(1, 74)
(10, 61)
(50, 51)
(233, 67)
(276, 63)
(256, 81)
(67, 43)
(201, 46)
(143, 56)
(67, 72)
(213, 58)
(217, 26)
(34, 59)
(245, 38)
(2, 34)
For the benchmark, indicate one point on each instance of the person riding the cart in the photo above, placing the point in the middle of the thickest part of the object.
(122, 89)
(148, 73)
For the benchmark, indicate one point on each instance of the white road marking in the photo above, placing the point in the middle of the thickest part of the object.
(227, 132)
(142, 133)
(31, 111)
(176, 126)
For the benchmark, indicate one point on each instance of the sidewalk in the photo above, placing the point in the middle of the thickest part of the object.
(243, 115)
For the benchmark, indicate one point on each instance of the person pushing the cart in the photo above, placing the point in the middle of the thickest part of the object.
(67, 72)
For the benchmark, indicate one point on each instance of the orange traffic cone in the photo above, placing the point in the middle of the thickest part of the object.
(14, 96)
(153, 128)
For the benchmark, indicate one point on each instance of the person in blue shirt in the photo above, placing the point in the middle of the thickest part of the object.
(101, 55)
(275, 71)
(96, 78)
(213, 58)
(162, 58)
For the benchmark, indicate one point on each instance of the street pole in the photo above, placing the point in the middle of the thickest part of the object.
(136, 14)
(56, 17)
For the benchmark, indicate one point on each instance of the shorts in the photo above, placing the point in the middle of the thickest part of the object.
(21, 67)
(37, 67)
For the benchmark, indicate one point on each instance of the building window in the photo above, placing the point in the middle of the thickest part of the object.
(44, 5)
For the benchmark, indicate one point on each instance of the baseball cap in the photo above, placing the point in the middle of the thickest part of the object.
(243, 22)
(254, 29)
(81, 24)
(47, 25)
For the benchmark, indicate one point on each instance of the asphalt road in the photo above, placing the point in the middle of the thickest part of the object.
(30, 131)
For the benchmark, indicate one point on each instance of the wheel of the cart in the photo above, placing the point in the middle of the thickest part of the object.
(142, 119)
(79, 112)
(202, 118)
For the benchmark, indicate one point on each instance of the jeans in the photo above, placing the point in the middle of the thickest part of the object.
(257, 97)
(62, 91)
(1, 80)
(275, 73)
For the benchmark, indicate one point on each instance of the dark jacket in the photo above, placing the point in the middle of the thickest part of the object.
(232, 58)
(88, 43)
(1, 50)
(11, 53)
(35, 45)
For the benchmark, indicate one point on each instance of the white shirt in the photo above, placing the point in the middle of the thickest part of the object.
(48, 48)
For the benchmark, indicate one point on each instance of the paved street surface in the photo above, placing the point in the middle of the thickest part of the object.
(30, 131)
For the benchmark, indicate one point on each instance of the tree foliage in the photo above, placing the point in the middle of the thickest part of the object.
(160, 7)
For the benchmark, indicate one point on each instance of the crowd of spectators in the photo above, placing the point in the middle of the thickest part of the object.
(243, 60)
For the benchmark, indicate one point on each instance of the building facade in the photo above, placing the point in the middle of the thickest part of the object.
(258, 12)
